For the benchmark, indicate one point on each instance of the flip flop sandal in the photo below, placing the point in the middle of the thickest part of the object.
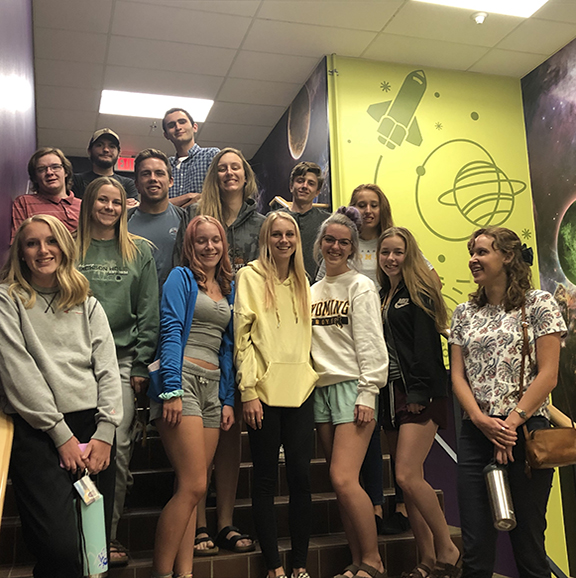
(232, 543)
(118, 555)
(201, 540)
(371, 571)
(350, 568)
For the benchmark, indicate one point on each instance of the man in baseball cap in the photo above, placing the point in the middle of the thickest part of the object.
(103, 150)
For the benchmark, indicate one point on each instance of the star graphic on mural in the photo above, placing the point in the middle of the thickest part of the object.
(385, 86)
(439, 126)
(527, 234)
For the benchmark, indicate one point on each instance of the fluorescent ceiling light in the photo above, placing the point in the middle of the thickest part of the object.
(522, 8)
(151, 105)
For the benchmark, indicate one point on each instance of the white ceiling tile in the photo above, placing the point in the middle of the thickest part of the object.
(507, 63)
(402, 49)
(162, 82)
(131, 125)
(69, 45)
(233, 133)
(279, 67)
(251, 114)
(558, 10)
(67, 98)
(357, 14)
(249, 150)
(305, 39)
(237, 7)
(178, 25)
(162, 55)
(539, 36)
(450, 24)
(63, 139)
(258, 92)
(58, 118)
(67, 73)
(79, 15)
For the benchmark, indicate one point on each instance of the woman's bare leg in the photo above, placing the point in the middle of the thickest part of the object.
(184, 559)
(414, 443)
(184, 445)
(348, 451)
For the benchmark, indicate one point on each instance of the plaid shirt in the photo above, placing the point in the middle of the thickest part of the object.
(66, 210)
(189, 176)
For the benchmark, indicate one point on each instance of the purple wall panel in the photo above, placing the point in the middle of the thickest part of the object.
(17, 108)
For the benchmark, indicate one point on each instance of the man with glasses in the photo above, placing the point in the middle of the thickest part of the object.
(191, 161)
(50, 174)
(104, 150)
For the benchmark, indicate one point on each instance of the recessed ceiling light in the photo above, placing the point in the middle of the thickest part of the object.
(522, 8)
(151, 105)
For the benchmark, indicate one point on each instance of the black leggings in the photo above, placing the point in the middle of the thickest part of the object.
(293, 427)
(44, 495)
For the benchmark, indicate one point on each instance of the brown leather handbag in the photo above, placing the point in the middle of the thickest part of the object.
(550, 447)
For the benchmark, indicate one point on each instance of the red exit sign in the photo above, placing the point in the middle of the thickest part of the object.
(125, 164)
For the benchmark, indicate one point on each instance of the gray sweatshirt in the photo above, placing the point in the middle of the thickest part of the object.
(54, 362)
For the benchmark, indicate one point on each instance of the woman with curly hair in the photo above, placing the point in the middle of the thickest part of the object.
(486, 342)
(61, 385)
(415, 401)
(194, 397)
(349, 355)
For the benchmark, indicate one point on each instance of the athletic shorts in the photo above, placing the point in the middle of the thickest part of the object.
(200, 395)
(335, 403)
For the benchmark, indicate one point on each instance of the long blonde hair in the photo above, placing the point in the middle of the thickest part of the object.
(211, 200)
(74, 287)
(296, 266)
(418, 278)
(124, 240)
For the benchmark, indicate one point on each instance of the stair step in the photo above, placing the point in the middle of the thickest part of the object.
(327, 556)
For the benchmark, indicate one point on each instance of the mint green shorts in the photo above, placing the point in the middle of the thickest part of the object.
(335, 403)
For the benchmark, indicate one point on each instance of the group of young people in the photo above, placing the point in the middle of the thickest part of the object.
(359, 349)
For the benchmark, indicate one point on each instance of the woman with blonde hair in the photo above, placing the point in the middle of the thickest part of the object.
(194, 397)
(272, 330)
(122, 275)
(228, 195)
(415, 401)
(486, 339)
(60, 384)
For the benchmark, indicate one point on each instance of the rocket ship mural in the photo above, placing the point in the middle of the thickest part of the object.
(397, 117)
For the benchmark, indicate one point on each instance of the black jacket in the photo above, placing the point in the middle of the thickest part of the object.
(418, 348)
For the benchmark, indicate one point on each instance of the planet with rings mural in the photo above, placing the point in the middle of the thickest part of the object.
(460, 187)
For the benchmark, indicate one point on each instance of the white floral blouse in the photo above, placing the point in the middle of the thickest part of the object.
(491, 342)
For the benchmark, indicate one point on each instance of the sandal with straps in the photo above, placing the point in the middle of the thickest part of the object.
(202, 540)
(415, 572)
(118, 555)
(445, 570)
(350, 568)
(371, 571)
(232, 543)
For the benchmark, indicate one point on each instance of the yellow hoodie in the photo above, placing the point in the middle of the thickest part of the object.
(271, 346)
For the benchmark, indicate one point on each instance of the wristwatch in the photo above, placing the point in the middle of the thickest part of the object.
(521, 413)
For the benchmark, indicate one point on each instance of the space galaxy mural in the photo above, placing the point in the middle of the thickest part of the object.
(549, 94)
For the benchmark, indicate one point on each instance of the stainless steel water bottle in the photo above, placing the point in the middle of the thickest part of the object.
(500, 497)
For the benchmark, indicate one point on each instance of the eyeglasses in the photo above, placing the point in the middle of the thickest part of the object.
(54, 168)
(344, 243)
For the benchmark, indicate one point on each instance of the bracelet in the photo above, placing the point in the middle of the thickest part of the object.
(521, 413)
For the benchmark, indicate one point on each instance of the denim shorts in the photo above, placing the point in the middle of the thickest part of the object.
(200, 395)
(336, 403)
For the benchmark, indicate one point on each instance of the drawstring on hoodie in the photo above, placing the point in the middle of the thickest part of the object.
(294, 308)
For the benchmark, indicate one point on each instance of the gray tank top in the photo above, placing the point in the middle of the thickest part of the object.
(208, 325)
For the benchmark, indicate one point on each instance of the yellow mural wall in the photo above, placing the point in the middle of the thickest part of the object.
(449, 151)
